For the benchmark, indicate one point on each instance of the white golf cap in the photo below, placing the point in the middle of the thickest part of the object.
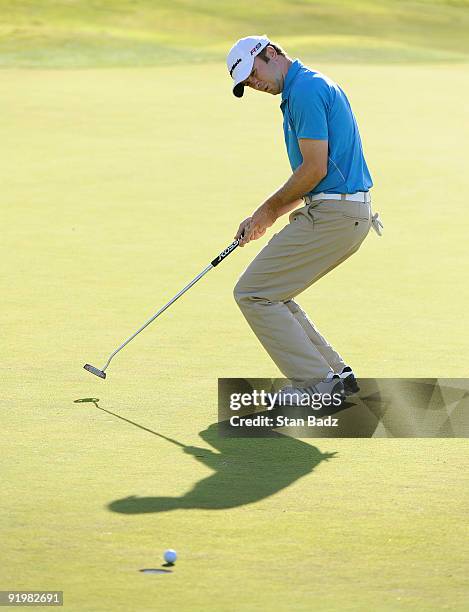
(240, 60)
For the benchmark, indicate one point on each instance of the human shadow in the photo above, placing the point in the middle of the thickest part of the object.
(246, 470)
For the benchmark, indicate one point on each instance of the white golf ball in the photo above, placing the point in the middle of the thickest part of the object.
(170, 556)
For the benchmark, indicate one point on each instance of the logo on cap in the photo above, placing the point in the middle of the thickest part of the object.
(258, 46)
(234, 66)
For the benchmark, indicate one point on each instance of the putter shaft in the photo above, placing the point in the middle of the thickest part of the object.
(101, 373)
(157, 314)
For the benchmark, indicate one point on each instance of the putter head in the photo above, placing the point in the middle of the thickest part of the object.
(95, 371)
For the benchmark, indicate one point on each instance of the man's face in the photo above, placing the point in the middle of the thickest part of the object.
(266, 76)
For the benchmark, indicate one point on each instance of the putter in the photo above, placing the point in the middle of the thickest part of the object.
(102, 373)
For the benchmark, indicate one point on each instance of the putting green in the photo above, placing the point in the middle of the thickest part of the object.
(118, 188)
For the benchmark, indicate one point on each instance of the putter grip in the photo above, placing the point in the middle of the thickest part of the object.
(225, 253)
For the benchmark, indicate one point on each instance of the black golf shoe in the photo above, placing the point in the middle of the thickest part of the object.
(350, 382)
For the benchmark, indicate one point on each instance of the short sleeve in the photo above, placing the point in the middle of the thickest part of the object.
(308, 109)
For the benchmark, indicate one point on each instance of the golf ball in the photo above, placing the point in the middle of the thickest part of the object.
(170, 556)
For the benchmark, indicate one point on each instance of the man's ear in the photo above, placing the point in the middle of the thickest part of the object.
(271, 52)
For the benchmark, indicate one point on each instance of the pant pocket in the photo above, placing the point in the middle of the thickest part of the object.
(300, 215)
(360, 211)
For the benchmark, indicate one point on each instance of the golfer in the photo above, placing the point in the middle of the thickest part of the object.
(328, 199)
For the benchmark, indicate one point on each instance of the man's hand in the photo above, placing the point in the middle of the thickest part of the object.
(254, 227)
(242, 228)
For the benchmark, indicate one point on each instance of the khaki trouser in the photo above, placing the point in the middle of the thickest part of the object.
(319, 237)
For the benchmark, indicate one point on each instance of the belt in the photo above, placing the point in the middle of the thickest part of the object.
(360, 196)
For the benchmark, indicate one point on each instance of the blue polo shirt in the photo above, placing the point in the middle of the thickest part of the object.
(315, 107)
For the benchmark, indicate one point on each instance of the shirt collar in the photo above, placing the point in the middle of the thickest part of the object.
(290, 77)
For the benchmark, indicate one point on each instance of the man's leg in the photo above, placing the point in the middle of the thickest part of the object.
(316, 240)
(333, 358)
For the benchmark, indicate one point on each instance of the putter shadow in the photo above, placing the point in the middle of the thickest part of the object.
(94, 400)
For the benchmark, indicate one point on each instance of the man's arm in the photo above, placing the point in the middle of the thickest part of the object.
(305, 177)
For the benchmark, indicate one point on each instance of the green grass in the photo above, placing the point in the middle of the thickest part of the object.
(83, 33)
(118, 187)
